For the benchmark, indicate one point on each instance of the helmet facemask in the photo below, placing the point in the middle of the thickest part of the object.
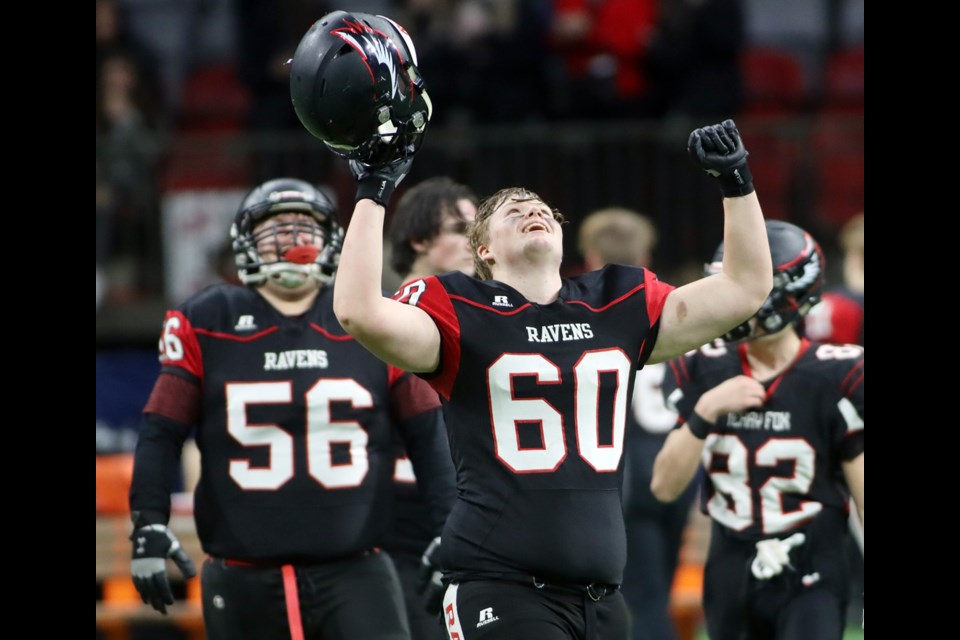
(302, 259)
(290, 252)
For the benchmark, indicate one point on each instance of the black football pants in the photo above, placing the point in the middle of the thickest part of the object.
(488, 609)
(346, 599)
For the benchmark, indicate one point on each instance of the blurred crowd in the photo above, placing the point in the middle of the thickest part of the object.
(167, 69)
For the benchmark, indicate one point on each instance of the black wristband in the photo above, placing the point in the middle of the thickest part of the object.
(699, 426)
(737, 182)
(376, 188)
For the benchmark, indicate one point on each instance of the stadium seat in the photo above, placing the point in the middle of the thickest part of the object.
(843, 90)
(213, 100)
(206, 160)
(774, 82)
(837, 146)
(776, 176)
(203, 152)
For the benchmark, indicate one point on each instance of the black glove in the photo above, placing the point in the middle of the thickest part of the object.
(377, 182)
(719, 151)
(429, 585)
(152, 545)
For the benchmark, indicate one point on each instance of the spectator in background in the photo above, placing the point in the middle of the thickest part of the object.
(128, 150)
(474, 52)
(693, 59)
(603, 44)
(267, 35)
(777, 423)
(114, 37)
(294, 423)
(654, 530)
(839, 318)
(428, 236)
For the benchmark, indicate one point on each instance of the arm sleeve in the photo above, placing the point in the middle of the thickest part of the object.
(171, 410)
(422, 429)
(155, 469)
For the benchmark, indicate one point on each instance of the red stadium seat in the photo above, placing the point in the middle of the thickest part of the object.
(775, 176)
(774, 82)
(210, 160)
(843, 82)
(213, 100)
(837, 146)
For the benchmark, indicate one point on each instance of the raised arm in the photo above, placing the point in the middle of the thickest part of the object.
(704, 309)
(397, 333)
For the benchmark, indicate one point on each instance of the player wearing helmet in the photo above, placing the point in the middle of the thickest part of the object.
(295, 423)
(777, 423)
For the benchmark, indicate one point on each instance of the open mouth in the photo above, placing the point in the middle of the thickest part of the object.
(535, 226)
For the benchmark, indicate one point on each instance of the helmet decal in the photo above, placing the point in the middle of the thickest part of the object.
(812, 269)
(363, 38)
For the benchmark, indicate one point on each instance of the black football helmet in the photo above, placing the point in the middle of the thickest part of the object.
(284, 195)
(798, 267)
(354, 84)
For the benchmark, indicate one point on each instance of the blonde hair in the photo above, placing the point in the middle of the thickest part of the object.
(851, 240)
(851, 235)
(618, 235)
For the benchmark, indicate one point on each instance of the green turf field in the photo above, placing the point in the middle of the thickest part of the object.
(852, 633)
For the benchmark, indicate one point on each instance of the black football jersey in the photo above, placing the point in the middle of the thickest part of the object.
(535, 401)
(777, 469)
(296, 427)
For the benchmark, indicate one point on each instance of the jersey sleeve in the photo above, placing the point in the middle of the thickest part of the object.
(851, 409)
(656, 296)
(430, 295)
(681, 389)
(179, 348)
